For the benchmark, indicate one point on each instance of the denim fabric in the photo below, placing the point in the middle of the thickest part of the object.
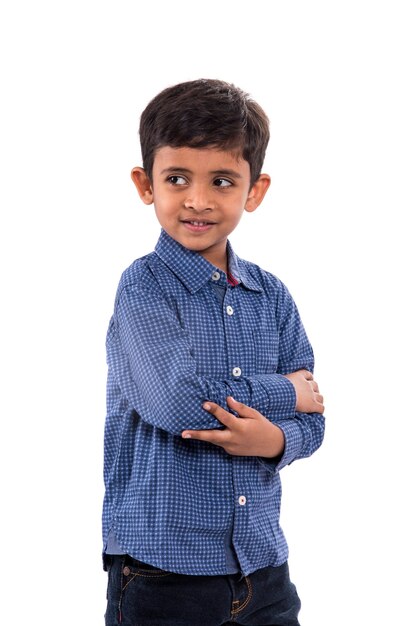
(142, 595)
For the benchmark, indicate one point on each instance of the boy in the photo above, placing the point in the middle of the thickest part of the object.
(210, 390)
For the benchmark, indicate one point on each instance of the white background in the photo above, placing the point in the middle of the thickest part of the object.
(339, 83)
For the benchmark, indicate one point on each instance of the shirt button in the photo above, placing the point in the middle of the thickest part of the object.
(216, 276)
(242, 500)
(229, 310)
(236, 371)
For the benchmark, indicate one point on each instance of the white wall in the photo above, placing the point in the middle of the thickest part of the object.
(338, 80)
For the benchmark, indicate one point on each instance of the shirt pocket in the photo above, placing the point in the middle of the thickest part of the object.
(266, 351)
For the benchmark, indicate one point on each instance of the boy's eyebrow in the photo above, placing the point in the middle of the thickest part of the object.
(184, 170)
(170, 170)
(226, 173)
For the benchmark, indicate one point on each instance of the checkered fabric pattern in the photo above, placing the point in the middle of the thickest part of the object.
(171, 345)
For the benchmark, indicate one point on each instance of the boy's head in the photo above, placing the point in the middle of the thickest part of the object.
(203, 145)
(205, 113)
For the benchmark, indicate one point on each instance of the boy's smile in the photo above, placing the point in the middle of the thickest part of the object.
(199, 195)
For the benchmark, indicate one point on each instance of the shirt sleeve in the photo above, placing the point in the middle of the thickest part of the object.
(303, 432)
(303, 435)
(150, 359)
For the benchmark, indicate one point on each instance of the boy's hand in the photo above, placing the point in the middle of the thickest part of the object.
(308, 398)
(250, 434)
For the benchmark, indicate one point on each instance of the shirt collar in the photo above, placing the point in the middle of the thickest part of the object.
(194, 271)
(238, 268)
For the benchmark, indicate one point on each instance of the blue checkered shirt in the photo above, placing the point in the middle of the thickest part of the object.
(173, 343)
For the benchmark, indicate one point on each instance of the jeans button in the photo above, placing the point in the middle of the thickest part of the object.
(126, 571)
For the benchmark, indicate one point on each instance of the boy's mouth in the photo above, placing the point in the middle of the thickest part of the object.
(197, 225)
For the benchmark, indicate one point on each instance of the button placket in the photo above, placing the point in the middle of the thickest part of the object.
(229, 327)
(242, 494)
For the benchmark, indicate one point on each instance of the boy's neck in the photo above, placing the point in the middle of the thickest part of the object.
(219, 260)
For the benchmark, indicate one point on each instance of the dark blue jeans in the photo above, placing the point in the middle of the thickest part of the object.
(142, 595)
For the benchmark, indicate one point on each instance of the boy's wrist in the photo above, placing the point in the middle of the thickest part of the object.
(276, 443)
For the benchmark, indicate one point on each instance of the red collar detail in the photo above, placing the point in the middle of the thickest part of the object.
(231, 280)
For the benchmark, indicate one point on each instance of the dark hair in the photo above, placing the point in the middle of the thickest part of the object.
(204, 113)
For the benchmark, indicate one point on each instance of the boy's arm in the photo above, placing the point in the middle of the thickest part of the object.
(150, 360)
(304, 429)
(297, 435)
(252, 434)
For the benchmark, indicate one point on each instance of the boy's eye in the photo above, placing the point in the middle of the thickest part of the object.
(177, 180)
(222, 182)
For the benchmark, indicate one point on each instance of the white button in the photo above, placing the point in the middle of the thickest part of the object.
(229, 310)
(242, 500)
(236, 371)
(216, 276)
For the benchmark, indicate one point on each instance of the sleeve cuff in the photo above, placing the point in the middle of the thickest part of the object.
(294, 442)
(281, 396)
(293, 445)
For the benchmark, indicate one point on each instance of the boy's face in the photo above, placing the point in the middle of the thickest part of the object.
(199, 195)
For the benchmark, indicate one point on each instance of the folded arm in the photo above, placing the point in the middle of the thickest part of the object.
(249, 433)
(285, 438)
(150, 360)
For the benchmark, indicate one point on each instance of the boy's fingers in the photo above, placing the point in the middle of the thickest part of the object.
(226, 418)
(242, 409)
(217, 437)
(221, 437)
(236, 406)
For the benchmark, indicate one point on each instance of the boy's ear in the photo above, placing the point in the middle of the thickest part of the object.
(257, 192)
(143, 185)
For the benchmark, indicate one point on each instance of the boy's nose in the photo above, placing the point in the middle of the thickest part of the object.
(199, 199)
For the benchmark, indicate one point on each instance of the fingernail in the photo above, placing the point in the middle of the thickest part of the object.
(206, 406)
(187, 436)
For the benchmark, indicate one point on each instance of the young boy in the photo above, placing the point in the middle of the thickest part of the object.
(210, 390)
